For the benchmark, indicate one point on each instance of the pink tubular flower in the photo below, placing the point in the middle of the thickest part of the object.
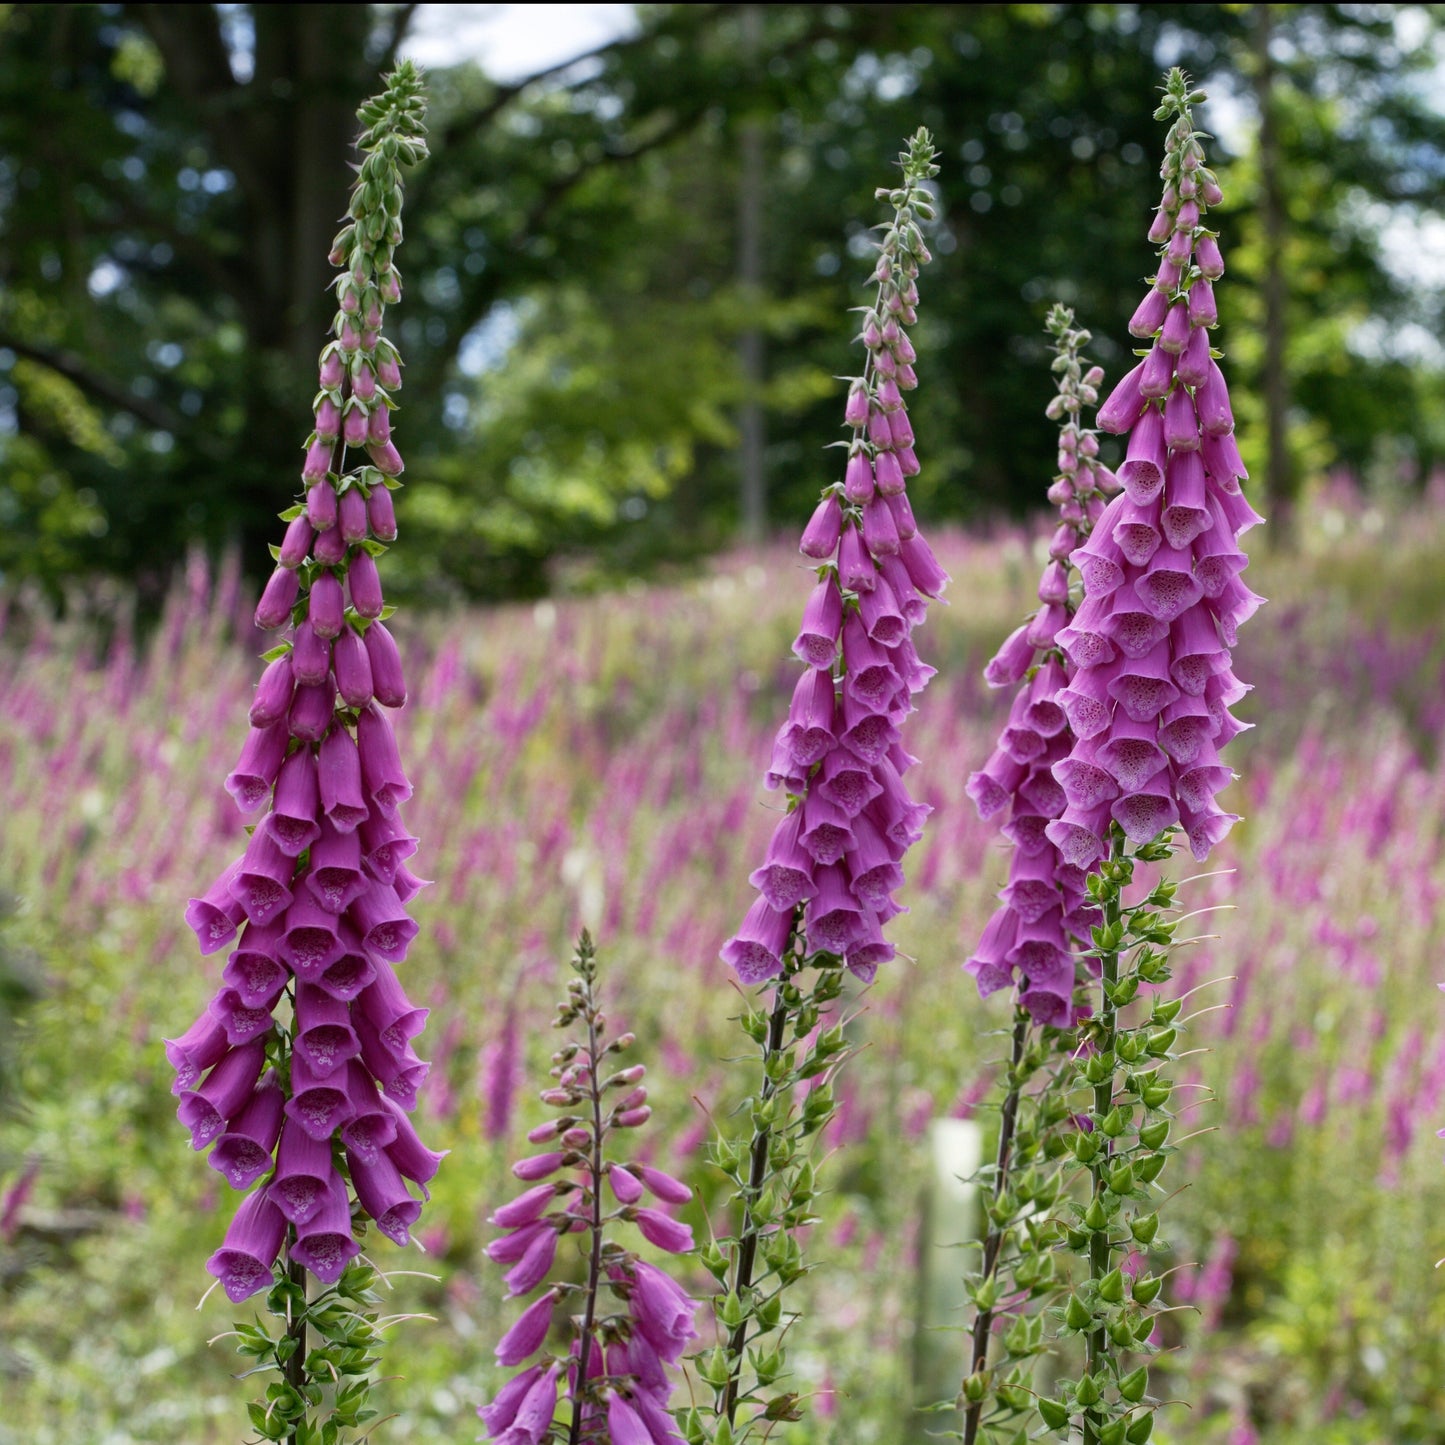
(1151, 682)
(837, 755)
(1029, 943)
(321, 920)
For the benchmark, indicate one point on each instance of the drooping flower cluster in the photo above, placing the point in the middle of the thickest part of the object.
(320, 893)
(835, 856)
(1044, 920)
(615, 1372)
(1163, 599)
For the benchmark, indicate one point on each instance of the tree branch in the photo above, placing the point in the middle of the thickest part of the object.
(102, 388)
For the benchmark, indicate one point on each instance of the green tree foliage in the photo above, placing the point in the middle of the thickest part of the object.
(168, 193)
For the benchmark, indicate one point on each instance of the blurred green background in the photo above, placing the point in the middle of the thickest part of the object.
(616, 404)
(588, 337)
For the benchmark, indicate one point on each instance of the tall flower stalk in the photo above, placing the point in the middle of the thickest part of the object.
(627, 1321)
(1148, 698)
(827, 882)
(310, 1104)
(1032, 940)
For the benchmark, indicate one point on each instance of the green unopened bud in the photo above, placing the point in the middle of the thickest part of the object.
(1112, 1433)
(1115, 1122)
(1141, 1428)
(1152, 1136)
(1161, 1041)
(1076, 1314)
(1146, 1288)
(1129, 1047)
(1111, 1287)
(1086, 1146)
(770, 1311)
(1166, 1013)
(1086, 1392)
(730, 1311)
(1054, 1413)
(1121, 1179)
(1150, 1169)
(1144, 1228)
(1155, 1095)
(1133, 1385)
(1126, 990)
(975, 1387)
(985, 1293)
(714, 1367)
(1096, 1217)
(1121, 1331)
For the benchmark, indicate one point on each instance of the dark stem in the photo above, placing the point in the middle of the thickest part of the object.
(295, 1323)
(997, 1233)
(594, 1264)
(1100, 1249)
(748, 1242)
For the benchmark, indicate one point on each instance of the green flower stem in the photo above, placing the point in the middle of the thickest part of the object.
(997, 1233)
(1101, 1251)
(295, 1370)
(594, 1262)
(757, 1175)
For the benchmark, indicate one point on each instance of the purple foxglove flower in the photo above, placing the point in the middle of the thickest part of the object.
(1143, 687)
(373, 1124)
(1186, 514)
(381, 514)
(624, 1425)
(858, 479)
(332, 371)
(385, 1006)
(855, 414)
(811, 728)
(328, 420)
(380, 425)
(327, 608)
(1222, 460)
(338, 773)
(1149, 316)
(1181, 427)
(786, 877)
(386, 459)
(900, 428)
(1119, 413)
(626, 1187)
(1011, 661)
(351, 973)
(664, 1231)
(526, 1208)
(756, 951)
(254, 970)
(871, 678)
(324, 1243)
(1134, 534)
(817, 641)
(1202, 312)
(316, 468)
(351, 515)
(866, 733)
(201, 1046)
(881, 617)
(1216, 417)
(382, 1194)
(1144, 813)
(856, 569)
(321, 498)
(381, 771)
(241, 1024)
(1162, 227)
(529, 1333)
(1132, 755)
(834, 917)
(847, 782)
(250, 781)
(379, 917)
(502, 1411)
(354, 426)
(206, 1109)
(310, 656)
(670, 1191)
(330, 547)
(364, 583)
(385, 845)
(1179, 247)
(243, 1152)
(908, 462)
(1208, 259)
(244, 1261)
(1193, 367)
(319, 1103)
(292, 820)
(1079, 835)
(888, 470)
(352, 663)
(820, 537)
(273, 610)
(880, 535)
(1143, 471)
(312, 706)
(1085, 783)
(334, 878)
(216, 915)
(1169, 586)
(273, 693)
(323, 1030)
(262, 885)
(1048, 622)
(922, 566)
(903, 518)
(535, 1264)
(386, 671)
(296, 545)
